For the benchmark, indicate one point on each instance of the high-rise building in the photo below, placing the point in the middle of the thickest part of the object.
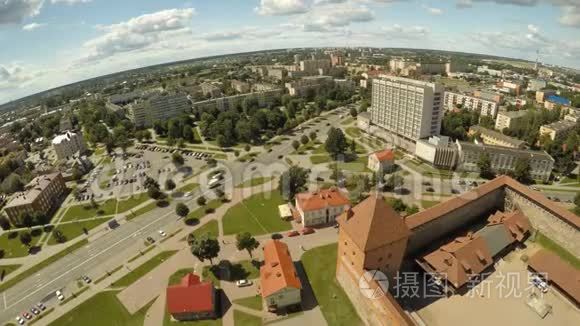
(507, 119)
(408, 108)
(68, 144)
(160, 107)
(336, 59)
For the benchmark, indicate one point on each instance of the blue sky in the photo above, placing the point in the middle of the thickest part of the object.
(48, 43)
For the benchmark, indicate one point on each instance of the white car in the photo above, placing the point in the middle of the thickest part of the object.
(59, 295)
(242, 283)
(539, 283)
(20, 320)
(162, 233)
(187, 194)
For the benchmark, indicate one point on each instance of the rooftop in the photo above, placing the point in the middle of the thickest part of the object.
(558, 100)
(561, 125)
(498, 135)
(557, 271)
(191, 295)
(33, 189)
(311, 201)
(521, 153)
(278, 271)
(384, 155)
(513, 114)
(62, 138)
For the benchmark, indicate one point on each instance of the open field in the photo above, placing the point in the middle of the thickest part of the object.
(84, 211)
(145, 268)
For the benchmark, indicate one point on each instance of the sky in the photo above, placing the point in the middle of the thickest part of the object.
(49, 43)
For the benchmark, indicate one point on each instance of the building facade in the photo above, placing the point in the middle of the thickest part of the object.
(492, 137)
(439, 151)
(264, 98)
(280, 286)
(240, 86)
(302, 86)
(382, 161)
(41, 195)
(472, 102)
(68, 144)
(504, 159)
(558, 129)
(320, 207)
(508, 119)
(408, 108)
(192, 299)
(159, 107)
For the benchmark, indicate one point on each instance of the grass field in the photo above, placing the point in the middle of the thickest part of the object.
(81, 212)
(73, 230)
(34, 269)
(7, 269)
(244, 319)
(188, 187)
(257, 214)
(145, 209)
(319, 159)
(145, 268)
(429, 203)
(176, 277)
(110, 312)
(347, 121)
(13, 248)
(210, 227)
(320, 266)
(199, 213)
(353, 132)
(254, 182)
(254, 302)
(127, 204)
(547, 243)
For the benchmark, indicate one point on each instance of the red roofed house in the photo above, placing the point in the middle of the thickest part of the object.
(191, 299)
(382, 161)
(279, 282)
(321, 207)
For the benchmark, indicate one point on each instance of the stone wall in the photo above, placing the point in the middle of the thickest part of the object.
(479, 209)
(549, 224)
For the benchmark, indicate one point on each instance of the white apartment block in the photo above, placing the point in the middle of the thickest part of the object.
(507, 119)
(313, 67)
(160, 107)
(471, 102)
(409, 108)
(558, 129)
(68, 144)
(302, 86)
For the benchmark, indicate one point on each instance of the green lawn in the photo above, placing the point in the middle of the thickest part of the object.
(110, 312)
(145, 268)
(208, 275)
(199, 213)
(255, 182)
(81, 212)
(176, 277)
(245, 269)
(73, 230)
(244, 319)
(257, 214)
(210, 227)
(13, 248)
(429, 203)
(7, 269)
(134, 201)
(549, 244)
(353, 132)
(145, 209)
(320, 266)
(319, 159)
(347, 121)
(254, 302)
(34, 269)
(358, 165)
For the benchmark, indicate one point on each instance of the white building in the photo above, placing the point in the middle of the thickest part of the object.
(160, 107)
(68, 144)
(472, 102)
(320, 207)
(439, 151)
(408, 108)
(302, 86)
(507, 119)
(381, 161)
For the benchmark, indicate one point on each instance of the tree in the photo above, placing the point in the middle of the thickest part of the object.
(201, 201)
(25, 238)
(245, 241)
(295, 144)
(181, 210)
(169, 184)
(177, 159)
(4, 223)
(522, 171)
(484, 165)
(204, 248)
(76, 173)
(150, 183)
(393, 182)
(397, 204)
(353, 112)
(313, 135)
(304, 139)
(154, 193)
(247, 148)
(59, 236)
(336, 143)
(292, 182)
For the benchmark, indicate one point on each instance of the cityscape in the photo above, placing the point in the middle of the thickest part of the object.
(289, 162)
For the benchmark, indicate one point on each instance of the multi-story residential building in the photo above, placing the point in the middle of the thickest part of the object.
(558, 129)
(492, 137)
(68, 144)
(240, 86)
(408, 108)
(504, 159)
(303, 86)
(280, 285)
(491, 72)
(573, 115)
(210, 90)
(320, 207)
(439, 151)
(382, 161)
(431, 68)
(159, 107)
(41, 195)
(553, 101)
(265, 98)
(543, 94)
(536, 84)
(454, 67)
(65, 124)
(336, 59)
(345, 84)
(315, 66)
(477, 101)
(277, 73)
(509, 87)
(508, 119)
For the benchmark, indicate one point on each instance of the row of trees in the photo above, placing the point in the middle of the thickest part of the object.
(176, 129)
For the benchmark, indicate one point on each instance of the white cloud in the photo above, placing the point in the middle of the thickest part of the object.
(16, 75)
(433, 11)
(330, 17)
(282, 7)
(32, 26)
(570, 16)
(138, 33)
(70, 2)
(397, 31)
(14, 11)
(249, 33)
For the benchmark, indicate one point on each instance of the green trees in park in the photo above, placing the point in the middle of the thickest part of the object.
(201, 201)
(181, 210)
(176, 130)
(456, 124)
(304, 139)
(353, 112)
(177, 159)
(484, 165)
(169, 184)
(393, 182)
(295, 144)
(204, 247)
(245, 241)
(293, 181)
(522, 171)
(336, 143)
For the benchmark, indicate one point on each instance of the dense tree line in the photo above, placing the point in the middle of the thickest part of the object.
(457, 124)
(176, 129)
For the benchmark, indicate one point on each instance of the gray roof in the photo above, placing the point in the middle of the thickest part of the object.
(497, 238)
(561, 125)
(520, 153)
(514, 114)
(492, 133)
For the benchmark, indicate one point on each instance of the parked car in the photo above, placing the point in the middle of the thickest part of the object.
(41, 306)
(35, 311)
(59, 295)
(539, 283)
(20, 320)
(86, 279)
(243, 283)
(292, 234)
(150, 240)
(27, 315)
(305, 231)
(162, 233)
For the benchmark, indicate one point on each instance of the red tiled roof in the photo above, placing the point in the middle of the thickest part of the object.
(558, 271)
(515, 222)
(450, 205)
(278, 271)
(191, 295)
(386, 154)
(311, 201)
